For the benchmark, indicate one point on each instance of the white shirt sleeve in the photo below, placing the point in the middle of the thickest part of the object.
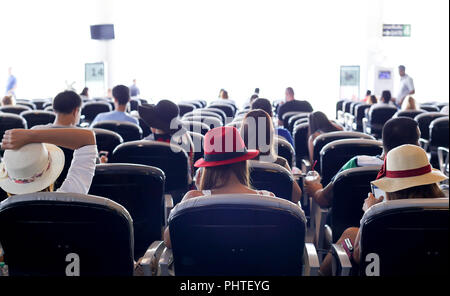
(81, 171)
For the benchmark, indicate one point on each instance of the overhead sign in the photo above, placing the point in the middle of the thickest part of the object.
(390, 30)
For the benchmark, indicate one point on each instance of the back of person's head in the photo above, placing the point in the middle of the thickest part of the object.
(66, 101)
(290, 92)
(368, 93)
(85, 92)
(373, 100)
(217, 176)
(409, 104)
(402, 68)
(400, 131)
(263, 104)
(257, 90)
(122, 94)
(253, 98)
(7, 101)
(224, 94)
(408, 174)
(318, 122)
(386, 96)
(257, 132)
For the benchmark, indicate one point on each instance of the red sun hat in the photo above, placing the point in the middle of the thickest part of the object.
(224, 145)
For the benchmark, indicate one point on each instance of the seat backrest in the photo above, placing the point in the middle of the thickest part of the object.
(196, 126)
(378, 115)
(197, 140)
(40, 103)
(350, 189)
(92, 109)
(53, 225)
(339, 105)
(424, 120)
(185, 108)
(300, 134)
(127, 130)
(107, 140)
(360, 113)
(26, 103)
(236, 124)
(287, 116)
(346, 106)
(171, 159)
(323, 139)
(271, 177)
(226, 108)
(293, 119)
(146, 131)
(212, 122)
(16, 109)
(335, 154)
(219, 112)
(38, 117)
(10, 121)
(140, 190)
(134, 104)
(408, 113)
(285, 150)
(231, 234)
(439, 132)
(409, 237)
(429, 108)
(202, 113)
(353, 106)
(196, 103)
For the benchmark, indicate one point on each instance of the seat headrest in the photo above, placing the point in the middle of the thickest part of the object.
(351, 142)
(357, 170)
(66, 197)
(252, 200)
(255, 164)
(404, 204)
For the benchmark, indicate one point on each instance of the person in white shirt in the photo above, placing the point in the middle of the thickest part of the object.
(406, 87)
(32, 161)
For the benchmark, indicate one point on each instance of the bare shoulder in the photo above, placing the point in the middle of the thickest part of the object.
(192, 194)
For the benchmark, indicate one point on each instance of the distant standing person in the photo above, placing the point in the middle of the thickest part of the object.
(406, 86)
(134, 90)
(11, 85)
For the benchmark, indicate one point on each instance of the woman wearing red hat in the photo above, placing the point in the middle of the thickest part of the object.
(224, 167)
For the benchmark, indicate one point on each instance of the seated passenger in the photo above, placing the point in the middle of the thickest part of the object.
(414, 182)
(386, 99)
(165, 125)
(396, 132)
(409, 104)
(121, 95)
(319, 124)
(8, 101)
(264, 104)
(257, 133)
(32, 161)
(224, 167)
(67, 107)
(291, 104)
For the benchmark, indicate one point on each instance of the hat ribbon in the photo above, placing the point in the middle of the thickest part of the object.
(224, 156)
(409, 173)
(33, 178)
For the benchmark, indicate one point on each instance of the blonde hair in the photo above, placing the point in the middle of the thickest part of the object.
(50, 188)
(217, 176)
(409, 104)
(7, 101)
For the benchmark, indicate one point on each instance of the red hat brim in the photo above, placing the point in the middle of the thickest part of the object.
(249, 155)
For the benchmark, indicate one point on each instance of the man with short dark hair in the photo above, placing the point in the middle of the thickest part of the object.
(121, 96)
(291, 104)
(396, 132)
(66, 106)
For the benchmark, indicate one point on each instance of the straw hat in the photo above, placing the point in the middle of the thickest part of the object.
(408, 166)
(31, 168)
(224, 145)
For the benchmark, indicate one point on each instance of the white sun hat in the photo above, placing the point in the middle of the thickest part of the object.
(31, 168)
(408, 166)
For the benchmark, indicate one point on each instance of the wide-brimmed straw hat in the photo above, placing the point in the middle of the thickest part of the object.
(224, 145)
(31, 168)
(408, 166)
(163, 116)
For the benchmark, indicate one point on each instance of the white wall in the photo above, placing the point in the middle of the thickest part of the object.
(190, 49)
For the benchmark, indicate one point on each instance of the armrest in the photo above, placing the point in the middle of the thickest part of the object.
(168, 206)
(151, 257)
(306, 165)
(443, 160)
(311, 263)
(424, 144)
(341, 263)
(365, 123)
(165, 261)
(319, 216)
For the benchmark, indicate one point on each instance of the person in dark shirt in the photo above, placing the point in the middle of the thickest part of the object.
(291, 104)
